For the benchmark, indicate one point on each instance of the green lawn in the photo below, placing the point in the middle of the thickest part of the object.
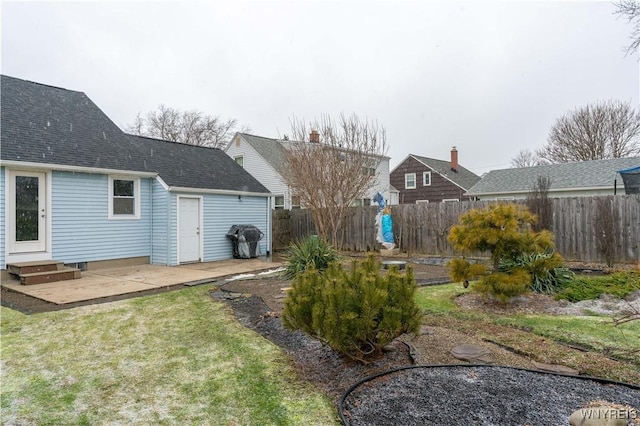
(175, 358)
(590, 331)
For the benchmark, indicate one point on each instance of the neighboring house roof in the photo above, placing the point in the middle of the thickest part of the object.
(563, 176)
(49, 125)
(464, 178)
(273, 152)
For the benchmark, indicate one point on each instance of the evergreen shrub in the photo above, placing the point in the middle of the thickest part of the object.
(356, 310)
(522, 259)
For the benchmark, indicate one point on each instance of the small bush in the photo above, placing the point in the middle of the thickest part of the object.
(504, 286)
(546, 270)
(312, 252)
(462, 270)
(356, 311)
(619, 284)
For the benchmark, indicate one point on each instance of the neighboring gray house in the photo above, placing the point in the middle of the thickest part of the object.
(585, 178)
(264, 158)
(75, 188)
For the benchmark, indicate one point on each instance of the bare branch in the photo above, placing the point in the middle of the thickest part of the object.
(593, 132)
(189, 127)
(630, 10)
(526, 158)
(336, 166)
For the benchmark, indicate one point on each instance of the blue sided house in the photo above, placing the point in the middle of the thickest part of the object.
(74, 188)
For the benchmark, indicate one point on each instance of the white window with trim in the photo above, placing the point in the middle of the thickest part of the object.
(410, 181)
(278, 202)
(239, 159)
(450, 200)
(426, 179)
(422, 201)
(124, 197)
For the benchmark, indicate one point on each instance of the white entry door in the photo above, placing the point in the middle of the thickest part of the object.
(188, 230)
(26, 216)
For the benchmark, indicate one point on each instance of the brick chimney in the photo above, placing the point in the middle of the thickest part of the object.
(314, 136)
(454, 159)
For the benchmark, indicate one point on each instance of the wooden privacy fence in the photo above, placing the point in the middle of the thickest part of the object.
(578, 224)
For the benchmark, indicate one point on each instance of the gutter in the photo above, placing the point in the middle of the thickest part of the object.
(67, 168)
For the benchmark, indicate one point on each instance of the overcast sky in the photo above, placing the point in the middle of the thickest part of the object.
(488, 77)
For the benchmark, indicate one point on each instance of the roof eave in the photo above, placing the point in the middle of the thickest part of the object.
(68, 168)
(585, 188)
(218, 191)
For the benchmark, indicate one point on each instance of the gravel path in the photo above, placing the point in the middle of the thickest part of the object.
(477, 395)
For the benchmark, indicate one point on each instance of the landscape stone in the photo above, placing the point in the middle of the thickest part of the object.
(472, 353)
(600, 416)
(426, 330)
(554, 368)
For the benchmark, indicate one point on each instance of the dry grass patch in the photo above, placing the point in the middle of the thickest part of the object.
(174, 358)
(542, 337)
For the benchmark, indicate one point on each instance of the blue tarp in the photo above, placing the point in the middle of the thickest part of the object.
(631, 179)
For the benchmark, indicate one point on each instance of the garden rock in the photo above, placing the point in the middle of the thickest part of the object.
(472, 353)
(599, 416)
(554, 368)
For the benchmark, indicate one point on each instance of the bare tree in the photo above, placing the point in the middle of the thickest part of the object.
(540, 204)
(630, 10)
(526, 158)
(189, 127)
(593, 132)
(332, 163)
(607, 228)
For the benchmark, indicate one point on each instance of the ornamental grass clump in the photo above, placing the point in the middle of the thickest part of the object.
(523, 260)
(312, 252)
(356, 310)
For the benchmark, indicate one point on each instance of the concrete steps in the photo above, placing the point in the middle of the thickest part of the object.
(40, 272)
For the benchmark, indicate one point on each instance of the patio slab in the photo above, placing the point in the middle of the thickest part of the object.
(131, 279)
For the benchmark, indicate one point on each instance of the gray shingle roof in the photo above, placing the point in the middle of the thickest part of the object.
(46, 124)
(270, 149)
(585, 174)
(464, 178)
(51, 125)
(191, 166)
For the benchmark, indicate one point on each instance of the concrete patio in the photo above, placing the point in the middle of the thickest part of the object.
(116, 281)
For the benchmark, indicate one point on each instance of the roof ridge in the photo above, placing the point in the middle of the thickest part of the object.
(168, 141)
(258, 136)
(42, 84)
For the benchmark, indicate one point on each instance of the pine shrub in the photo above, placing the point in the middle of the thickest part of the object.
(522, 259)
(504, 286)
(356, 310)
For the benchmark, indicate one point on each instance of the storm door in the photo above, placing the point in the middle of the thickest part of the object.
(27, 214)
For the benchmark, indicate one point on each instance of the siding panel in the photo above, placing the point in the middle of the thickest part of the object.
(81, 230)
(223, 211)
(160, 225)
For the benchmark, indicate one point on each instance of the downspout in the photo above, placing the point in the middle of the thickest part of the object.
(269, 230)
(151, 207)
(167, 239)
